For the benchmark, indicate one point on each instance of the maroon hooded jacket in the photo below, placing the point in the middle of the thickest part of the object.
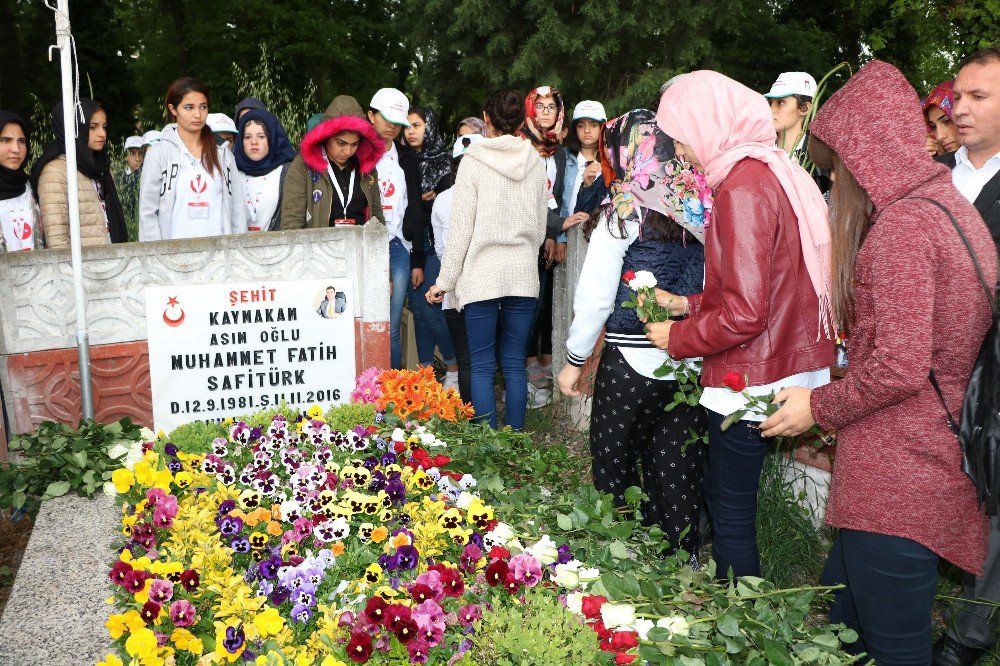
(918, 305)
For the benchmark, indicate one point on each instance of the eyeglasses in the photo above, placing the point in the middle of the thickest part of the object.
(545, 107)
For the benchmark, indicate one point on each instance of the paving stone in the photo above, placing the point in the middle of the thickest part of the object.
(56, 612)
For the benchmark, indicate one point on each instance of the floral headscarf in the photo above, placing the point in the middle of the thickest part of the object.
(943, 97)
(435, 157)
(641, 171)
(547, 142)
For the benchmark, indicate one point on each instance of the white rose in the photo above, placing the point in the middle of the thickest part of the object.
(574, 603)
(566, 576)
(109, 489)
(617, 616)
(515, 546)
(642, 279)
(642, 626)
(502, 533)
(544, 550)
(588, 576)
(147, 435)
(675, 624)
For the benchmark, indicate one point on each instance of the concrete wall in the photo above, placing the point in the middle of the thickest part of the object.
(38, 368)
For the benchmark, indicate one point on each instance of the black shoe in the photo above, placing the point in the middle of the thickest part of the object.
(949, 652)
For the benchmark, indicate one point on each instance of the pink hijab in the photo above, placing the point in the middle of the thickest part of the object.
(724, 122)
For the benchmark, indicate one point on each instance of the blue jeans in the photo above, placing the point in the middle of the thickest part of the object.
(889, 596)
(515, 314)
(399, 273)
(429, 324)
(732, 476)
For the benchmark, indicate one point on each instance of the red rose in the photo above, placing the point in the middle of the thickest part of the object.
(602, 632)
(628, 276)
(359, 648)
(734, 381)
(624, 658)
(499, 553)
(441, 460)
(591, 606)
(624, 640)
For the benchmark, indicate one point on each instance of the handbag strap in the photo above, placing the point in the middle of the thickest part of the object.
(990, 296)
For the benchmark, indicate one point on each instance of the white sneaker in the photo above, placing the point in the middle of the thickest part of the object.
(538, 397)
(451, 380)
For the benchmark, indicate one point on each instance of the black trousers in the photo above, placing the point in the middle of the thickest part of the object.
(459, 339)
(629, 429)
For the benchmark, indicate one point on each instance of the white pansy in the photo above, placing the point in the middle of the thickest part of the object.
(398, 435)
(465, 500)
(574, 603)
(467, 481)
(675, 624)
(545, 550)
(642, 626)
(617, 616)
(642, 279)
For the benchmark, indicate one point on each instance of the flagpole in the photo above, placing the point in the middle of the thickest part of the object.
(64, 42)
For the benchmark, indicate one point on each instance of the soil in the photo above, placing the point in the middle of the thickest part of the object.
(14, 537)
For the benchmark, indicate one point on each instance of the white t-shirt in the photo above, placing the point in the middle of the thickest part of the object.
(551, 172)
(17, 220)
(392, 185)
(968, 179)
(197, 209)
(440, 222)
(722, 400)
(581, 162)
(262, 195)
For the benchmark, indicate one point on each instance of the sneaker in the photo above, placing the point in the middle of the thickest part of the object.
(538, 397)
(451, 380)
(536, 376)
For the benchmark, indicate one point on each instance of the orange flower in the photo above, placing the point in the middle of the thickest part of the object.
(380, 534)
(274, 528)
(337, 549)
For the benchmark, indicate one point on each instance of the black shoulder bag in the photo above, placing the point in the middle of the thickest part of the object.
(979, 430)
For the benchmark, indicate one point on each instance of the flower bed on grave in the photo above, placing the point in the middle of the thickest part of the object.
(300, 543)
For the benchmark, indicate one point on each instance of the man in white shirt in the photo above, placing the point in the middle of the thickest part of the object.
(976, 174)
(399, 184)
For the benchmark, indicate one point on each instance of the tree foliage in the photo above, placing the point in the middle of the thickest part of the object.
(450, 54)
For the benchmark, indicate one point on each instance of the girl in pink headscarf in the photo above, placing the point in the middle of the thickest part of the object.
(763, 321)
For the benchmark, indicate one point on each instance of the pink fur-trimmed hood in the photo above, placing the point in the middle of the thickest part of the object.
(343, 115)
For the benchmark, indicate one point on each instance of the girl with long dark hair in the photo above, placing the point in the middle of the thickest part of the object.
(190, 187)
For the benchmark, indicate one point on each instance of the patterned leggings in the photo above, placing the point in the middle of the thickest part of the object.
(629, 429)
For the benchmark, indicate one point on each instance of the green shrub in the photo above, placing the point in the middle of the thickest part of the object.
(346, 416)
(539, 632)
(263, 419)
(195, 437)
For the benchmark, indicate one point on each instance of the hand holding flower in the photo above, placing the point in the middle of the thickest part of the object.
(794, 417)
(659, 333)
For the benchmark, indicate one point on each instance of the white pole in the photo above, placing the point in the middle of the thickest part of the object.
(65, 45)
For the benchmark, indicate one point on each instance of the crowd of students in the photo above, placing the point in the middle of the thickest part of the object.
(757, 263)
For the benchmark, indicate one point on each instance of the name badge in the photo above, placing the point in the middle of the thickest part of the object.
(343, 221)
(198, 210)
(252, 228)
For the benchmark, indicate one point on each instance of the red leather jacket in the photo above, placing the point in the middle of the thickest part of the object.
(759, 314)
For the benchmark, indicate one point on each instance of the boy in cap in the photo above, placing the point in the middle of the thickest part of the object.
(399, 184)
(791, 98)
(127, 182)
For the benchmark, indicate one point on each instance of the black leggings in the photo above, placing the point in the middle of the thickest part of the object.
(540, 342)
(459, 339)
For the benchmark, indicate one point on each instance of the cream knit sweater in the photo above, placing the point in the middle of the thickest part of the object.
(498, 219)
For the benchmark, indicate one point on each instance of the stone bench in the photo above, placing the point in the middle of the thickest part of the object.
(56, 612)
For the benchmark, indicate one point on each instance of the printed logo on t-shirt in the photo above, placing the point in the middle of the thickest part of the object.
(387, 187)
(198, 186)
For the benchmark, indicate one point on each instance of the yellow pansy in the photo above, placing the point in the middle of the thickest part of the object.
(123, 479)
(183, 479)
(269, 622)
(330, 661)
(141, 643)
(110, 660)
(185, 640)
(162, 479)
(221, 653)
(315, 412)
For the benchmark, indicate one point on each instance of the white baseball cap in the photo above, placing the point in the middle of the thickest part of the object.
(133, 142)
(151, 137)
(591, 110)
(463, 142)
(793, 83)
(220, 122)
(393, 106)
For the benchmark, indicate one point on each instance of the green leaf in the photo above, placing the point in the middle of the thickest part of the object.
(564, 522)
(618, 550)
(776, 654)
(848, 635)
(733, 418)
(57, 489)
(633, 495)
(728, 625)
(19, 499)
(630, 584)
(79, 458)
(659, 634)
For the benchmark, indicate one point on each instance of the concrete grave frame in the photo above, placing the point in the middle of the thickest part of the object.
(38, 362)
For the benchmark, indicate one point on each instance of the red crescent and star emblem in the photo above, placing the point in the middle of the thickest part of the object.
(388, 189)
(172, 304)
(197, 185)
